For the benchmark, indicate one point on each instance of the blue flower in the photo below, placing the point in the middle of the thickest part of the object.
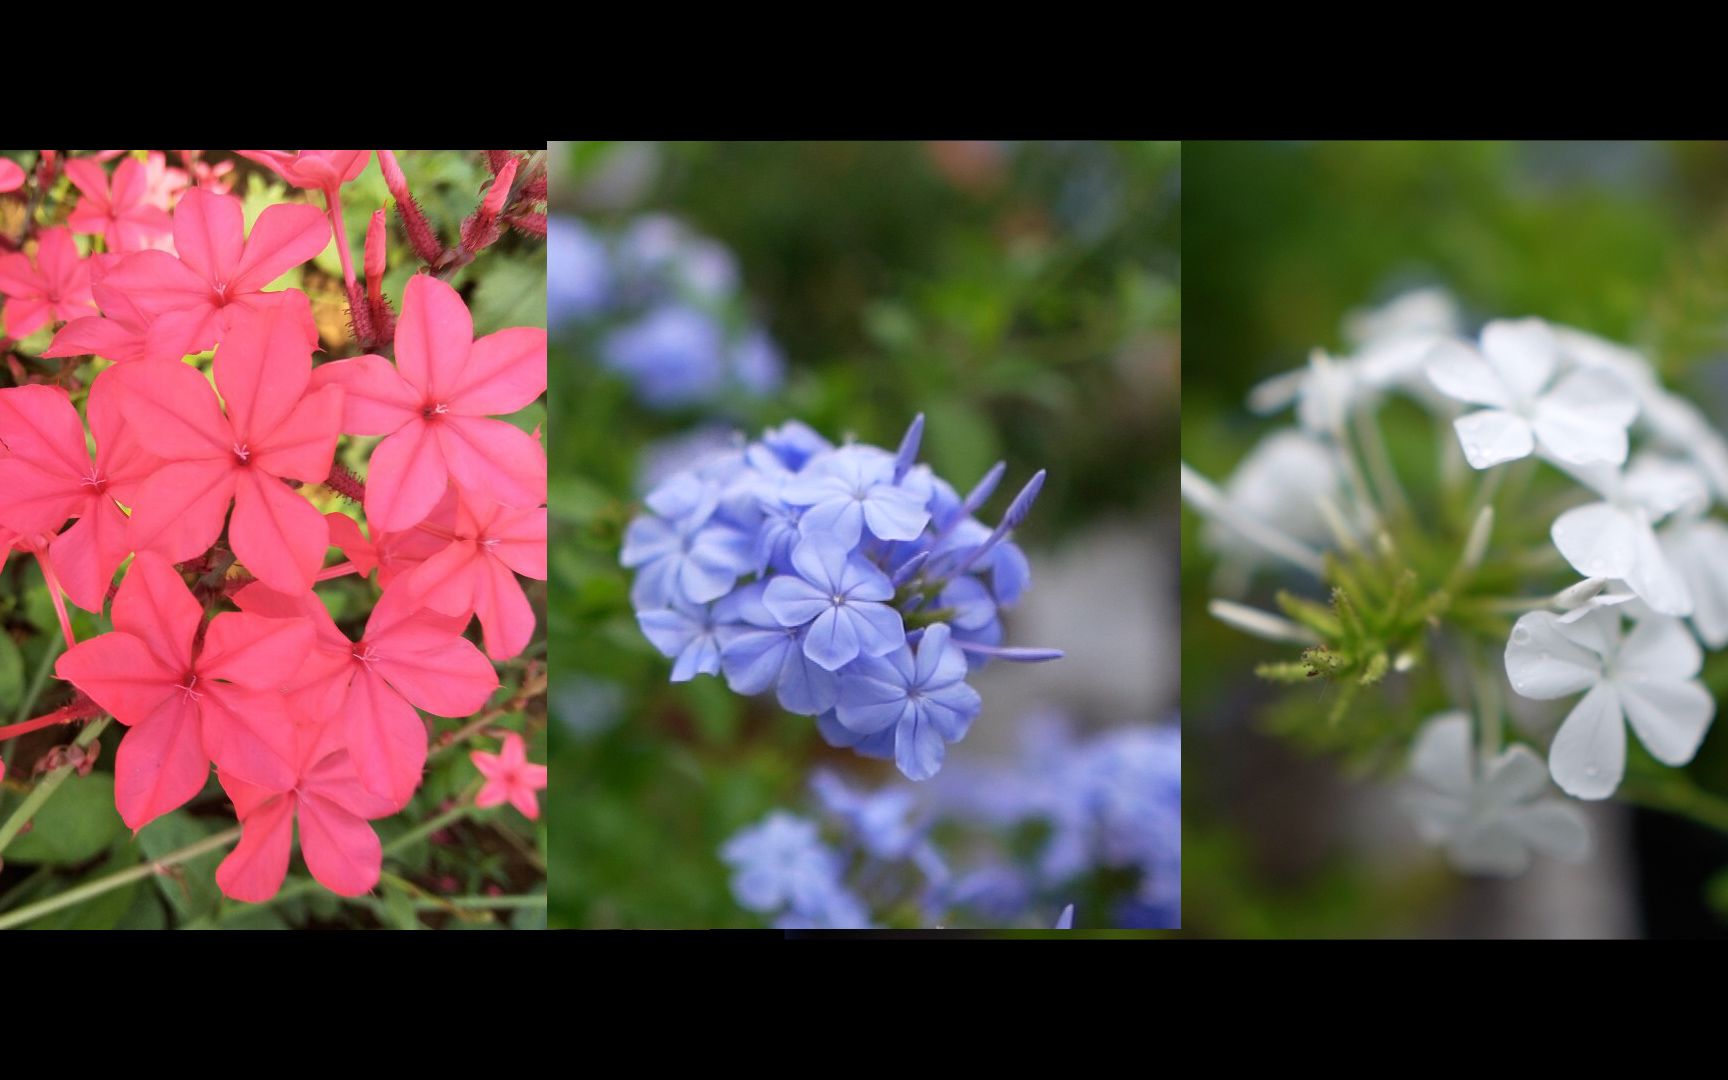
(880, 821)
(687, 634)
(782, 862)
(852, 488)
(759, 654)
(578, 275)
(922, 695)
(673, 356)
(839, 596)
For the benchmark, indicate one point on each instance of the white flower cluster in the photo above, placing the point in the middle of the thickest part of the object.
(1652, 559)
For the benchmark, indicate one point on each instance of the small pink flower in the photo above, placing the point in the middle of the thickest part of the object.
(510, 777)
(11, 175)
(55, 288)
(319, 170)
(185, 702)
(121, 212)
(433, 407)
(476, 572)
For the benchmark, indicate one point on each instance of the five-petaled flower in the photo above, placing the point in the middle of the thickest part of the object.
(510, 777)
(54, 287)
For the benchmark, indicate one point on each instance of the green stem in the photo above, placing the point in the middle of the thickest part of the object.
(1676, 794)
(480, 902)
(39, 679)
(46, 787)
(54, 903)
(1380, 467)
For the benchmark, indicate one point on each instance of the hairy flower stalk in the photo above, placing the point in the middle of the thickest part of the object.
(1421, 584)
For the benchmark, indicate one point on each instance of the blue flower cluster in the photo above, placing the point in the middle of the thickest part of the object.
(1103, 805)
(666, 309)
(852, 582)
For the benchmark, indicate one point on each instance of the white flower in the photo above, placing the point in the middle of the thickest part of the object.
(1419, 313)
(1489, 821)
(1616, 538)
(1697, 549)
(1581, 419)
(1646, 678)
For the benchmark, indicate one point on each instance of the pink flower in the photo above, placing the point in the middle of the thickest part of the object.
(186, 703)
(509, 777)
(55, 288)
(433, 407)
(122, 213)
(319, 170)
(118, 334)
(332, 807)
(220, 272)
(274, 429)
(476, 572)
(407, 658)
(163, 182)
(11, 175)
(48, 476)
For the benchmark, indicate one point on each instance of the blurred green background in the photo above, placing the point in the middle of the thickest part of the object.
(1626, 240)
(1025, 297)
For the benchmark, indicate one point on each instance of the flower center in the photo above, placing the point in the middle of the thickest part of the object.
(242, 453)
(220, 291)
(837, 600)
(432, 410)
(364, 653)
(189, 688)
(95, 481)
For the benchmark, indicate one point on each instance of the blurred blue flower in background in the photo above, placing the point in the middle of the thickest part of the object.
(662, 307)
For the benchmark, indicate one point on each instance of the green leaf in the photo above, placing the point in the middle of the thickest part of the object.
(189, 888)
(510, 293)
(74, 826)
(11, 675)
(104, 912)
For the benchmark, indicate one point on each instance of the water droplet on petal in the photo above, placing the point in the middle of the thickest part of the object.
(1520, 635)
(1592, 771)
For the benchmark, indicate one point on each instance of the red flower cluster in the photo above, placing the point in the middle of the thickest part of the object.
(192, 474)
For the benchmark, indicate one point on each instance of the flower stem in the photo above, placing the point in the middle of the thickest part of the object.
(1676, 794)
(46, 787)
(31, 912)
(50, 652)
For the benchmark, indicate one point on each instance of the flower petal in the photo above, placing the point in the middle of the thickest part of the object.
(1588, 755)
(1493, 436)
(1546, 658)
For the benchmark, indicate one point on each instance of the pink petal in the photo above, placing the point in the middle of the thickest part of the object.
(433, 337)
(333, 777)
(340, 849)
(174, 335)
(345, 535)
(406, 478)
(92, 182)
(37, 501)
(284, 236)
(209, 232)
(506, 618)
(522, 798)
(59, 264)
(96, 336)
(180, 509)
(248, 733)
(376, 399)
(506, 371)
(86, 555)
(276, 533)
(493, 459)
(161, 764)
(18, 277)
(40, 424)
(24, 316)
(156, 282)
(122, 675)
(174, 404)
(447, 581)
(260, 599)
(303, 445)
(254, 870)
(386, 738)
(155, 605)
(262, 367)
(448, 679)
(519, 541)
(254, 651)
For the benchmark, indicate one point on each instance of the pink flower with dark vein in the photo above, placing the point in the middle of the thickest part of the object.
(510, 777)
(121, 211)
(273, 429)
(475, 573)
(48, 476)
(407, 658)
(433, 405)
(54, 287)
(325, 796)
(221, 271)
(187, 702)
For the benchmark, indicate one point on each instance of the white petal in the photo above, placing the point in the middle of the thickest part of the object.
(1523, 352)
(1460, 372)
(1588, 756)
(1583, 419)
(1442, 753)
(1545, 658)
(1600, 540)
(1513, 777)
(1493, 436)
(1664, 486)
(1553, 827)
(1669, 717)
(1658, 649)
(1698, 551)
(1435, 816)
(1491, 850)
(1654, 579)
